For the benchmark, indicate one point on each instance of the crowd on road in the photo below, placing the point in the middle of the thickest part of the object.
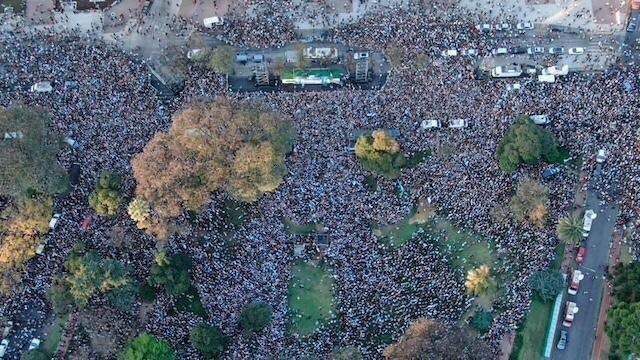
(112, 112)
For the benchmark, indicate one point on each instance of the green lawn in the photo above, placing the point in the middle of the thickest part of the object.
(17, 5)
(310, 299)
(534, 330)
(397, 235)
(299, 229)
(417, 159)
(54, 335)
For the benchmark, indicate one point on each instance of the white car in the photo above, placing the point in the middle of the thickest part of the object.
(430, 124)
(54, 221)
(503, 26)
(449, 53)
(484, 27)
(576, 51)
(3, 347)
(35, 343)
(500, 51)
(469, 52)
(42, 86)
(601, 156)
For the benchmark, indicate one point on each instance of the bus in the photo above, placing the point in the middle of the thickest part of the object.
(506, 71)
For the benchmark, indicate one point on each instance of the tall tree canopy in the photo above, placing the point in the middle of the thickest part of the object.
(209, 340)
(623, 328)
(147, 347)
(526, 143)
(431, 340)
(626, 282)
(28, 162)
(531, 202)
(218, 145)
(380, 153)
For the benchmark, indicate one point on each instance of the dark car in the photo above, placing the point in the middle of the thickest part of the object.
(564, 339)
(517, 50)
(550, 173)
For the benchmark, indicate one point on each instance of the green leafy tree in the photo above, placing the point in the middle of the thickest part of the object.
(548, 284)
(526, 143)
(222, 59)
(569, 230)
(623, 327)
(59, 296)
(85, 277)
(139, 211)
(482, 321)
(124, 298)
(147, 347)
(209, 340)
(173, 274)
(626, 282)
(106, 199)
(531, 202)
(28, 163)
(256, 317)
(380, 153)
(210, 147)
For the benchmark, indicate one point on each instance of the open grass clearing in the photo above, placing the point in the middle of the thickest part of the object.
(534, 330)
(54, 335)
(310, 299)
(299, 229)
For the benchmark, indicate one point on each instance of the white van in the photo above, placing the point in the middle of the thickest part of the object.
(54, 221)
(458, 123)
(547, 78)
(540, 119)
(213, 21)
(430, 124)
(589, 216)
(42, 86)
(556, 70)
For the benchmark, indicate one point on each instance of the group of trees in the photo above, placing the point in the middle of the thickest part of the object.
(220, 59)
(209, 147)
(531, 202)
(623, 321)
(547, 284)
(106, 199)
(428, 339)
(23, 224)
(526, 143)
(87, 275)
(380, 153)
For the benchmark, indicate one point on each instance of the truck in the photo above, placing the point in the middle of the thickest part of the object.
(570, 312)
(589, 216)
(575, 282)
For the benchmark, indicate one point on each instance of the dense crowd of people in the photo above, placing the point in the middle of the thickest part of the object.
(112, 111)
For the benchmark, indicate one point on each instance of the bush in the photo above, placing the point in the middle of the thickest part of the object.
(548, 284)
(526, 143)
(147, 347)
(172, 274)
(256, 317)
(148, 293)
(36, 354)
(209, 340)
(482, 321)
(124, 298)
(106, 199)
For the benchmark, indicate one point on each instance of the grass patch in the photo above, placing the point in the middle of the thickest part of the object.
(417, 159)
(299, 229)
(54, 335)
(465, 249)
(397, 235)
(559, 257)
(18, 5)
(563, 154)
(190, 302)
(534, 330)
(310, 299)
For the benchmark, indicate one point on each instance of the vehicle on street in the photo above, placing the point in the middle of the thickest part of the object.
(576, 51)
(3, 347)
(582, 253)
(458, 123)
(500, 51)
(556, 70)
(40, 248)
(469, 52)
(556, 50)
(484, 27)
(430, 124)
(54, 221)
(562, 342)
(517, 50)
(575, 282)
(506, 71)
(589, 216)
(213, 21)
(502, 27)
(570, 312)
(547, 78)
(550, 173)
(34, 344)
(449, 53)
(193, 53)
(601, 156)
(540, 119)
(535, 50)
(525, 26)
(42, 86)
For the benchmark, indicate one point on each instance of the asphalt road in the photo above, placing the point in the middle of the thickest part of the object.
(582, 333)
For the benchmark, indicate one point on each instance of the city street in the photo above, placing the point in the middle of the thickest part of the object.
(583, 332)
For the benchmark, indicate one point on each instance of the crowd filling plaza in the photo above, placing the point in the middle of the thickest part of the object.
(374, 291)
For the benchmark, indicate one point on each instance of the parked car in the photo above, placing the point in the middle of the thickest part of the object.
(517, 50)
(469, 52)
(556, 50)
(484, 27)
(3, 347)
(575, 282)
(564, 339)
(449, 53)
(550, 173)
(525, 26)
(601, 156)
(535, 50)
(576, 51)
(582, 253)
(34, 344)
(500, 51)
(54, 221)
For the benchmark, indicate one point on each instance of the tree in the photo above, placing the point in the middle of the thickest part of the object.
(482, 321)
(28, 163)
(431, 340)
(106, 199)
(478, 280)
(626, 282)
(569, 230)
(530, 202)
(209, 340)
(256, 317)
(172, 274)
(35, 354)
(548, 284)
(147, 347)
(623, 327)
(380, 153)
(59, 296)
(527, 143)
(84, 277)
(139, 211)
(211, 147)
(222, 59)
